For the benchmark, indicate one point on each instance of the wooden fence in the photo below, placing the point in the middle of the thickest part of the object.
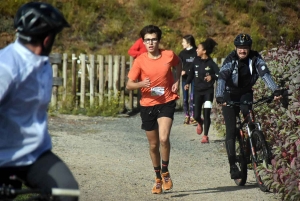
(95, 77)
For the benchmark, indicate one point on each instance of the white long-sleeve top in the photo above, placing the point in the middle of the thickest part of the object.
(25, 92)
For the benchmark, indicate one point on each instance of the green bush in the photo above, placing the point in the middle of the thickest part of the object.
(240, 5)
(9, 8)
(170, 39)
(158, 10)
(258, 8)
(6, 24)
(294, 4)
(221, 17)
(259, 43)
(287, 33)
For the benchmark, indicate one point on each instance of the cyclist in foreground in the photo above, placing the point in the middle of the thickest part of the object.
(25, 92)
(239, 72)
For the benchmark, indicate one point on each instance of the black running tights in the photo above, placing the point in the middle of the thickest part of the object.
(199, 101)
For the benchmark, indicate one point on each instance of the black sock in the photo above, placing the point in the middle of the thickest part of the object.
(165, 166)
(157, 172)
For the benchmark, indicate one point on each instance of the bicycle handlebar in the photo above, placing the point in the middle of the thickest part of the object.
(261, 100)
(268, 99)
(7, 191)
(65, 192)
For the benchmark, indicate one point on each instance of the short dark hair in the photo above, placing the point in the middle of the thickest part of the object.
(191, 40)
(150, 29)
(209, 45)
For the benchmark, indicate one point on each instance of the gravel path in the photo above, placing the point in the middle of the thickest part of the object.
(110, 159)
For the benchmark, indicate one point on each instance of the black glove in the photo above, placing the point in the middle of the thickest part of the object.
(278, 92)
(220, 100)
(285, 97)
(285, 93)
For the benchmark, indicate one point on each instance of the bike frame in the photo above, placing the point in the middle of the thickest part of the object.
(249, 120)
(249, 150)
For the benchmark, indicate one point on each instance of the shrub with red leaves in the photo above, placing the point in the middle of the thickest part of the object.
(282, 126)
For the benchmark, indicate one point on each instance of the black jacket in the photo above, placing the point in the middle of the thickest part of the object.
(229, 74)
(187, 57)
(199, 70)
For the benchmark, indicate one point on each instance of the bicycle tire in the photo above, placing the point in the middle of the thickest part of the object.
(260, 155)
(241, 161)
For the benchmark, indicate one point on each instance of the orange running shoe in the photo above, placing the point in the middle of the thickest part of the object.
(157, 188)
(166, 180)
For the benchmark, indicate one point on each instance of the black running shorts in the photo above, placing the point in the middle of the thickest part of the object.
(150, 114)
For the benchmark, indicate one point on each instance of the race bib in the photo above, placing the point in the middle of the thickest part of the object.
(157, 91)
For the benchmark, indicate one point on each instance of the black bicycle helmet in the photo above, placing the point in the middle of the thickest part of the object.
(37, 18)
(243, 40)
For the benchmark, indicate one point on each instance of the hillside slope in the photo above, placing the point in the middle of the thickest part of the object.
(111, 26)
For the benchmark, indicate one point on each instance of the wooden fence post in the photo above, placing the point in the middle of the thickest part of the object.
(92, 79)
(111, 70)
(55, 59)
(54, 88)
(65, 79)
(106, 72)
(122, 82)
(116, 72)
(110, 76)
(74, 77)
(82, 84)
(101, 74)
(130, 104)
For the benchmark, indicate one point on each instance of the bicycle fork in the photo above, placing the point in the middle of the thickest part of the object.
(253, 151)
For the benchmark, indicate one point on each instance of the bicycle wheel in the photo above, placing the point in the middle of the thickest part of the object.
(241, 162)
(260, 155)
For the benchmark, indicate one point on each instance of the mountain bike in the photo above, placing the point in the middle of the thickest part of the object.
(9, 193)
(251, 145)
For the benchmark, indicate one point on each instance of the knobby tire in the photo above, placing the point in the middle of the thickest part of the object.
(262, 155)
(241, 161)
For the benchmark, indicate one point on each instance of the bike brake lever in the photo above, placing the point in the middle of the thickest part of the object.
(269, 99)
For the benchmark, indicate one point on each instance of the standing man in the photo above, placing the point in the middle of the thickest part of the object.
(151, 72)
(25, 92)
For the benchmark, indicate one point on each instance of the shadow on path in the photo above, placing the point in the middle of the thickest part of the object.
(212, 190)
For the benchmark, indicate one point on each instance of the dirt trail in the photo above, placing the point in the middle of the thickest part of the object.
(110, 159)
